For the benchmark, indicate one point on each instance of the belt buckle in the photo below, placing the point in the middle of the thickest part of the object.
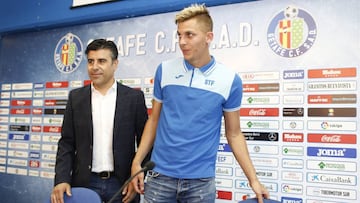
(105, 175)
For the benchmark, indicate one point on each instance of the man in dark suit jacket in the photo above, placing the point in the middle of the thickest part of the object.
(86, 125)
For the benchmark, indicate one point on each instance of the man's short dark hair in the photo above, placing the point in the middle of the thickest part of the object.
(103, 44)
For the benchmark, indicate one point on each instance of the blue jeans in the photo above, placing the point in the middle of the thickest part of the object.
(164, 189)
(106, 188)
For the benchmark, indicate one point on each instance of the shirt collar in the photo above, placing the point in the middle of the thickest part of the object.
(206, 69)
(113, 87)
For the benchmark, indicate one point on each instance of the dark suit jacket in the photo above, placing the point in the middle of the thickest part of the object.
(74, 155)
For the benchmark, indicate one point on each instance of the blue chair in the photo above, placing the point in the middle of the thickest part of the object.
(81, 195)
(254, 200)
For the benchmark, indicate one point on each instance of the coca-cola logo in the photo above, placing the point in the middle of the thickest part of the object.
(331, 138)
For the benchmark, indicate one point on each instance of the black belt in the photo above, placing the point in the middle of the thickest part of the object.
(104, 174)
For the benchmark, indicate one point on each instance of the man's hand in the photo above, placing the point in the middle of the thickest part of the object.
(260, 191)
(138, 181)
(57, 194)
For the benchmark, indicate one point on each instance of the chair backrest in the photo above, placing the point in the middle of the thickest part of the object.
(254, 200)
(81, 195)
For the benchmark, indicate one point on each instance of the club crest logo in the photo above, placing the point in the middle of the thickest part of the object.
(292, 32)
(68, 53)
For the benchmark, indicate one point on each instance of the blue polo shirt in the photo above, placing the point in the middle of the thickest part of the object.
(193, 101)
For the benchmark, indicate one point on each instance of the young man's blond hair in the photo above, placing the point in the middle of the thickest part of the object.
(198, 11)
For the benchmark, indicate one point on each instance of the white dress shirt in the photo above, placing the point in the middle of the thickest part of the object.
(103, 111)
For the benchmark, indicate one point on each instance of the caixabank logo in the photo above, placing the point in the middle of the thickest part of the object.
(68, 53)
(292, 32)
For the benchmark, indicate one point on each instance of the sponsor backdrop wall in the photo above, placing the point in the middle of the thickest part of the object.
(299, 62)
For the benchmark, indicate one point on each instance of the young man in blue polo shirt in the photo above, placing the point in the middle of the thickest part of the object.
(191, 95)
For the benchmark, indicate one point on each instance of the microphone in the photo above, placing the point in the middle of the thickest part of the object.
(148, 166)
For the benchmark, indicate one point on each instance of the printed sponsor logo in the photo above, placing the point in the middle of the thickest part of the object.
(38, 94)
(292, 176)
(332, 138)
(223, 147)
(35, 137)
(17, 171)
(49, 147)
(224, 183)
(227, 195)
(293, 99)
(149, 81)
(51, 138)
(293, 163)
(17, 153)
(331, 165)
(261, 136)
(37, 111)
(224, 159)
(263, 149)
(59, 102)
(4, 119)
(293, 125)
(339, 179)
(332, 99)
(54, 121)
(34, 173)
(47, 165)
(4, 127)
(130, 81)
(260, 76)
(68, 53)
(293, 74)
(224, 171)
(332, 112)
(38, 86)
(332, 72)
(56, 93)
(22, 86)
(292, 188)
(331, 152)
(259, 112)
(36, 120)
(298, 112)
(261, 173)
(23, 137)
(20, 102)
(60, 84)
(265, 162)
(292, 151)
(21, 94)
(6, 87)
(76, 84)
(5, 95)
(292, 32)
(264, 87)
(34, 164)
(293, 137)
(17, 162)
(35, 128)
(54, 111)
(34, 155)
(259, 124)
(4, 111)
(291, 200)
(332, 125)
(20, 111)
(47, 156)
(4, 103)
(325, 86)
(331, 192)
(47, 174)
(24, 128)
(38, 102)
(18, 145)
(256, 100)
(52, 129)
